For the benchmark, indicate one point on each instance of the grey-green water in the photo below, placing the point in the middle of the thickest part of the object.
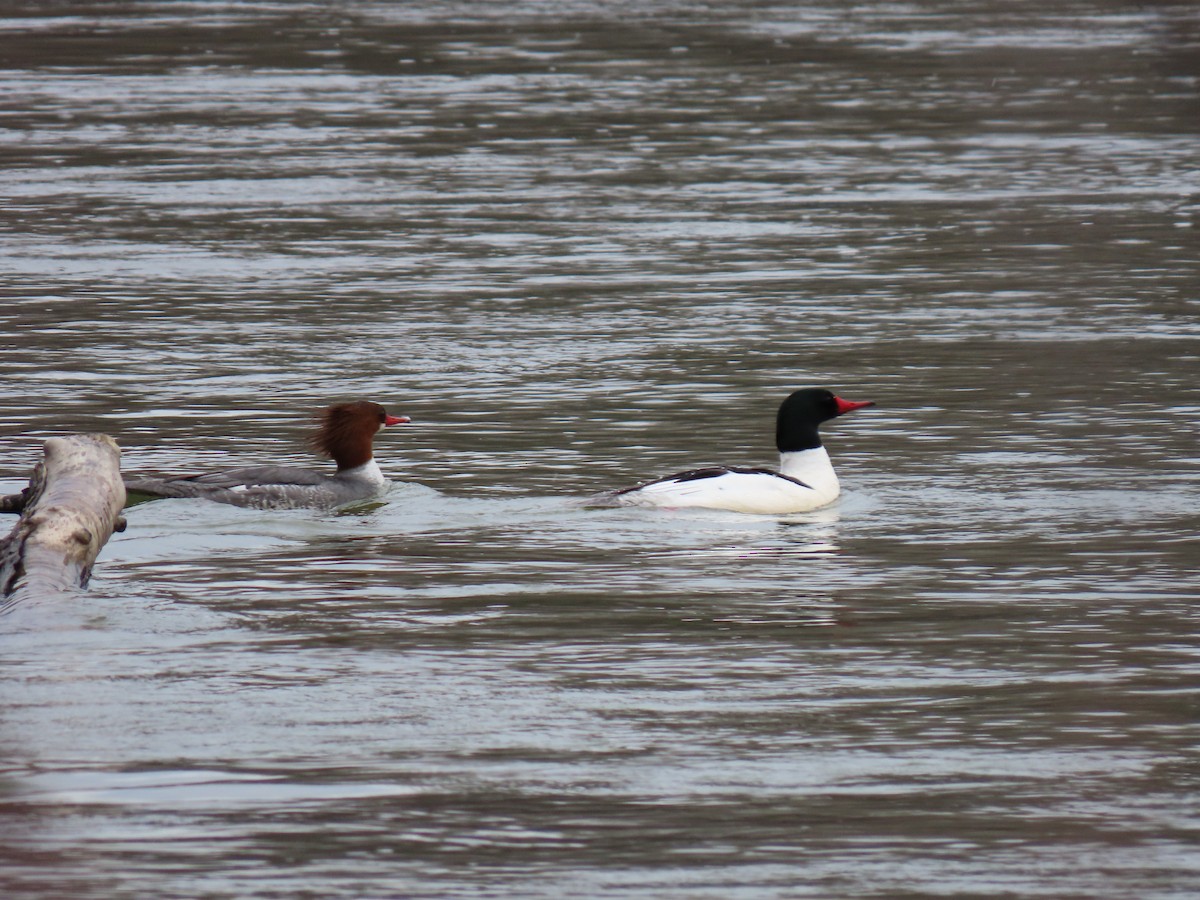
(581, 245)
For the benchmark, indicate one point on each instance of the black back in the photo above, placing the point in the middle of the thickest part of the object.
(711, 472)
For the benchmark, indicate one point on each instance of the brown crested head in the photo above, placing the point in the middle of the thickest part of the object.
(345, 431)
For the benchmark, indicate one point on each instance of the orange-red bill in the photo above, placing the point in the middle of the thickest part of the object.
(845, 406)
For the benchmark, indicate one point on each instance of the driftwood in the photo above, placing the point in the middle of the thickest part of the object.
(69, 511)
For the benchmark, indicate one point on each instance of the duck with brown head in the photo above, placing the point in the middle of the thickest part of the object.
(345, 433)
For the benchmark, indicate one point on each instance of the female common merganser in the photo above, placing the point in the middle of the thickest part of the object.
(344, 434)
(805, 479)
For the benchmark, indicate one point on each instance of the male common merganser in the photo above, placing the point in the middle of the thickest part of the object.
(805, 479)
(344, 434)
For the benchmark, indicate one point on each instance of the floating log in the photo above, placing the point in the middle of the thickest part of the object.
(69, 511)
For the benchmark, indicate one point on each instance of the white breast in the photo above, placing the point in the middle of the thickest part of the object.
(814, 469)
(366, 474)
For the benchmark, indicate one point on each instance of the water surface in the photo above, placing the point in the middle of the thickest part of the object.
(581, 245)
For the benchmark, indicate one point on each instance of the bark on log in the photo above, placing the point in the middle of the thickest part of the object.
(70, 510)
(13, 503)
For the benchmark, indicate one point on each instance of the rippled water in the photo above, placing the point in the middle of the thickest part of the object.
(583, 244)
